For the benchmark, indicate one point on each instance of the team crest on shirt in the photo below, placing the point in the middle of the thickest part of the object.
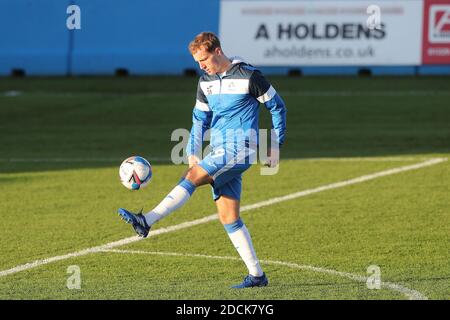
(231, 86)
(208, 89)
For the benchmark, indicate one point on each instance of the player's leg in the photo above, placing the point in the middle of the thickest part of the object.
(227, 200)
(214, 164)
(227, 209)
(194, 177)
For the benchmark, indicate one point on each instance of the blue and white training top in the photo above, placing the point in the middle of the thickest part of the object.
(228, 102)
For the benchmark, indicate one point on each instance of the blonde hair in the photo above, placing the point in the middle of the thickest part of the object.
(207, 40)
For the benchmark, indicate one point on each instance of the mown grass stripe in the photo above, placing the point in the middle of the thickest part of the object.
(214, 216)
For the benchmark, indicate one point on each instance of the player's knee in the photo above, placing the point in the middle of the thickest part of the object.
(198, 175)
(191, 174)
(228, 217)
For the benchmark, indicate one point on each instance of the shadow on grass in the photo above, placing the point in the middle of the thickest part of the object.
(73, 123)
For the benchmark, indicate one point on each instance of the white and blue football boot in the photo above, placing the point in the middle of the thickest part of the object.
(252, 281)
(137, 220)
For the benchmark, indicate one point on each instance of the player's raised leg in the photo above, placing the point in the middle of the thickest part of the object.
(228, 209)
(180, 194)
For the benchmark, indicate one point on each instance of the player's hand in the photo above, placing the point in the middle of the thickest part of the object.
(273, 158)
(193, 160)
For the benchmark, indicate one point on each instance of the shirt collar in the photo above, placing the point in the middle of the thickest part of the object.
(234, 61)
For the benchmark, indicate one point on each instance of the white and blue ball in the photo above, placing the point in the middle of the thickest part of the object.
(135, 173)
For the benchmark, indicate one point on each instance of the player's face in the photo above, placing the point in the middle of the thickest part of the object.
(208, 61)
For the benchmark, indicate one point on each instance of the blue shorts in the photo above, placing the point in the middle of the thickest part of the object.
(226, 166)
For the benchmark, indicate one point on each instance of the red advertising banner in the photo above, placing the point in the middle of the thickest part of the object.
(436, 32)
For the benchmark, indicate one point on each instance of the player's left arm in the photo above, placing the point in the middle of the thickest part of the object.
(265, 93)
(201, 122)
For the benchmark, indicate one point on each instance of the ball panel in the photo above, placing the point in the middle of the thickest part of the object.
(135, 186)
(141, 160)
(135, 172)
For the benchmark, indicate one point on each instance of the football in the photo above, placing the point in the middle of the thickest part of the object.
(135, 173)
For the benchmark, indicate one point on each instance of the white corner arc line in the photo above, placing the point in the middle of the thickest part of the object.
(411, 294)
(212, 217)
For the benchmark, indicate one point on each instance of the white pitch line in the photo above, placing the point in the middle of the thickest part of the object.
(344, 183)
(364, 159)
(189, 224)
(411, 294)
(162, 159)
(387, 93)
(70, 160)
(306, 93)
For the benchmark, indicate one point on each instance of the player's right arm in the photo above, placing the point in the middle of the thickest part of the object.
(263, 91)
(201, 121)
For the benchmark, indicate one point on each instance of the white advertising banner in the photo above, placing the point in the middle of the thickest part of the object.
(323, 33)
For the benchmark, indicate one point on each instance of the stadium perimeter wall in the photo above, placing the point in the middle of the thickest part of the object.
(137, 37)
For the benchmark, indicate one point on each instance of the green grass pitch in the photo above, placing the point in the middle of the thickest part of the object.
(62, 141)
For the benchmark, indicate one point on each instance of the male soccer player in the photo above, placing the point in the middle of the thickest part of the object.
(228, 98)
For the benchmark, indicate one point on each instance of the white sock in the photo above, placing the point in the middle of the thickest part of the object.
(243, 243)
(174, 200)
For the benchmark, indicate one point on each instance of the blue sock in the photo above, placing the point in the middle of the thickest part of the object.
(188, 185)
(233, 227)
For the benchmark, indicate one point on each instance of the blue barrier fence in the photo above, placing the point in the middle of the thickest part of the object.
(139, 37)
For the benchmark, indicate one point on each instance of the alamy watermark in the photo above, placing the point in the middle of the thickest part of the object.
(228, 148)
(374, 20)
(74, 280)
(374, 280)
(73, 21)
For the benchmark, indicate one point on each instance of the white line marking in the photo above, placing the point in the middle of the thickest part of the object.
(84, 252)
(162, 159)
(364, 159)
(376, 93)
(12, 93)
(344, 183)
(70, 160)
(411, 294)
(306, 93)
(189, 224)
